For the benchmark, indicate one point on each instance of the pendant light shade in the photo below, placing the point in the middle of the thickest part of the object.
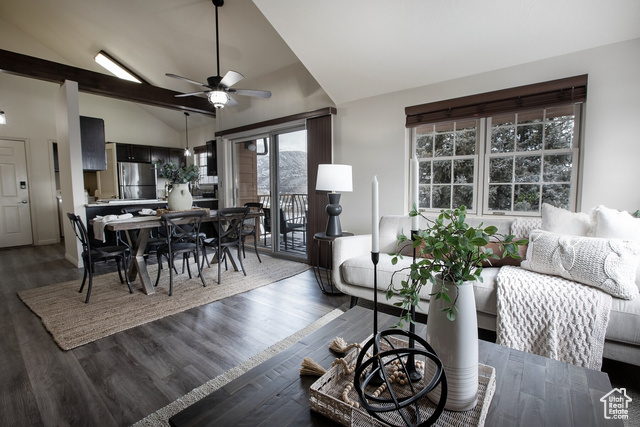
(187, 153)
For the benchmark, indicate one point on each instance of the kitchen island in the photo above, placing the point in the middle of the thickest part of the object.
(115, 206)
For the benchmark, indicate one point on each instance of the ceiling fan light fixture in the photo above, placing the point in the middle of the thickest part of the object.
(218, 98)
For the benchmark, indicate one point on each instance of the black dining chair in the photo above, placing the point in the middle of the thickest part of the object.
(228, 235)
(184, 231)
(119, 254)
(251, 227)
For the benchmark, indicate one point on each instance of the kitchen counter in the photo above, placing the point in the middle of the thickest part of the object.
(120, 202)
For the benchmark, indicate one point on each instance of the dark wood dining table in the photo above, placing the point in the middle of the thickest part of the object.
(144, 224)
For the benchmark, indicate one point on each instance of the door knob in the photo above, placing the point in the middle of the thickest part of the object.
(24, 202)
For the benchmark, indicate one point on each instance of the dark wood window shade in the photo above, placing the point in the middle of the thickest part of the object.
(539, 95)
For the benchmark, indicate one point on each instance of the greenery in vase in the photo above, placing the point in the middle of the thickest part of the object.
(452, 249)
(177, 175)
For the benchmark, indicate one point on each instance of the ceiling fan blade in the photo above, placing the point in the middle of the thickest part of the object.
(175, 76)
(231, 102)
(250, 92)
(231, 78)
(202, 92)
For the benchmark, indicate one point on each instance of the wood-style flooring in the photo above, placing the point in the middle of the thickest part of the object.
(120, 379)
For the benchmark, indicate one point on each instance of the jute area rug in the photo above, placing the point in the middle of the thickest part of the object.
(162, 415)
(112, 308)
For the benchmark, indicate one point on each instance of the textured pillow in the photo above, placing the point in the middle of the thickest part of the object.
(607, 264)
(521, 227)
(613, 224)
(558, 220)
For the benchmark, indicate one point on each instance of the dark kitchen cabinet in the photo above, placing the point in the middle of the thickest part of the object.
(176, 155)
(159, 153)
(94, 155)
(133, 153)
(212, 158)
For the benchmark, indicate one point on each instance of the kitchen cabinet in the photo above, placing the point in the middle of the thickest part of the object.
(159, 153)
(94, 157)
(176, 155)
(133, 153)
(212, 158)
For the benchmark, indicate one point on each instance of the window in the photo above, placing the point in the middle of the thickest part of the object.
(500, 155)
(200, 159)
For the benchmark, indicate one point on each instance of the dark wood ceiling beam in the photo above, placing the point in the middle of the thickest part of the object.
(101, 84)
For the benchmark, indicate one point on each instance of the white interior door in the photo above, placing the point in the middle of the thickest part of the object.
(15, 216)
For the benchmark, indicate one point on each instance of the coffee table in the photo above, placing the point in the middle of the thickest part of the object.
(530, 389)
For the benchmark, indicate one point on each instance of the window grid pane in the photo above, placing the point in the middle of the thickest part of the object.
(528, 180)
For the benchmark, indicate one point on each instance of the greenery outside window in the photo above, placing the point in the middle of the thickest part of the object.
(531, 159)
(447, 156)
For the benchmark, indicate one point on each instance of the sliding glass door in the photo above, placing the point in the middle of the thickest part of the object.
(272, 170)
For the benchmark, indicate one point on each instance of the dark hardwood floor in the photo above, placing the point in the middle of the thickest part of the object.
(120, 379)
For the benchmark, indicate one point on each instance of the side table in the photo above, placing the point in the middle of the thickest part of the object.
(322, 270)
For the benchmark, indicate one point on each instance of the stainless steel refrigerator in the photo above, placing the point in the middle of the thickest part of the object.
(137, 180)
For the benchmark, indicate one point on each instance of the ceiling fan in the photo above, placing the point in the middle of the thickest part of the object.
(219, 88)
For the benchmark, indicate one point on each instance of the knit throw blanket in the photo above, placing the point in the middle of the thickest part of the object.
(551, 316)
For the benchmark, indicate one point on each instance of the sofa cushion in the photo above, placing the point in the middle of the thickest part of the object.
(485, 291)
(624, 321)
(358, 271)
(558, 220)
(607, 264)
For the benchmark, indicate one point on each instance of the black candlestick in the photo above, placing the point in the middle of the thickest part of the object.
(376, 380)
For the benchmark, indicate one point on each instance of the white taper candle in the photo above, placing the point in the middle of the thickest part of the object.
(375, 216)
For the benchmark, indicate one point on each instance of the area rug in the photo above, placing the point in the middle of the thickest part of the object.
(162, 415)
(112, 308)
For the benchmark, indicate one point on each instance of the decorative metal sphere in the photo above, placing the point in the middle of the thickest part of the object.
(383, 386)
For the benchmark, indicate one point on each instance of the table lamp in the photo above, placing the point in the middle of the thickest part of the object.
(334, 178)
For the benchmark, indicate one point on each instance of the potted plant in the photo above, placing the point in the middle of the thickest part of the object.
(450, 254)
(179, 197)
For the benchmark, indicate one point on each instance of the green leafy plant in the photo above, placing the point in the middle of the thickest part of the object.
(452, 249)
(177, 175)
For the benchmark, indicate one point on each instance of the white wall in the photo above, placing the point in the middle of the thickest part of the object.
(370, 133)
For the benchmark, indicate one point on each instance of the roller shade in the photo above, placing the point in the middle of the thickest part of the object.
(539, 95)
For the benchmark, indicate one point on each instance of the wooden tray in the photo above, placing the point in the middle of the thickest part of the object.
(326, 398)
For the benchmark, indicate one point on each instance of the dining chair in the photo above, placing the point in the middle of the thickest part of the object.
(251, 227)
(91, 255)
(183, 229)
(228, 235)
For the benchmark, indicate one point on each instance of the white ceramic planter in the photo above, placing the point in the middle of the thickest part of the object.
(456, 343)
(180, 198)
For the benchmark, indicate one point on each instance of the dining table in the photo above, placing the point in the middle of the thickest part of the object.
(144, 224)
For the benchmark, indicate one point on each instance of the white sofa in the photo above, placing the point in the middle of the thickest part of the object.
(353, 275)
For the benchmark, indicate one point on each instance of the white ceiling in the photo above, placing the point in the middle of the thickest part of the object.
(354, 48)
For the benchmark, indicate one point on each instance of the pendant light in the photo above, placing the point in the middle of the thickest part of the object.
(187, 153)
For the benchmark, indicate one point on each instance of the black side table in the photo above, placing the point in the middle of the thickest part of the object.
(322, 267)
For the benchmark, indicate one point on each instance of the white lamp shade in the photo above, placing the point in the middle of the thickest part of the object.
(334, 178)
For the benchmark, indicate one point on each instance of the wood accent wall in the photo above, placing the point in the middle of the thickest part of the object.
(319, 151)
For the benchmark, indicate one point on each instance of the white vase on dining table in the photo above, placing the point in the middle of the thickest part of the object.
(179, 198)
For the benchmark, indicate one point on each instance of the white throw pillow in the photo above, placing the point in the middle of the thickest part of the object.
(614, 224)
(607, 264)
(558, 220)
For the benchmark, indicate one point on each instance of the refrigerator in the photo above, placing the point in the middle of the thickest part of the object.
(137, 180)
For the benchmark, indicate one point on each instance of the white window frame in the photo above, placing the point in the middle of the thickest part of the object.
(481, 166)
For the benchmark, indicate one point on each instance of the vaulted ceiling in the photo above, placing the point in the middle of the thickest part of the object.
(354, 48)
